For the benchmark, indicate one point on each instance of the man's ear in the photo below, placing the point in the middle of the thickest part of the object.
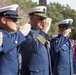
(3, 20)
(31, 17)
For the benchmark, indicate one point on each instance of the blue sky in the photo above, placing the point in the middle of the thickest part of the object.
(71, 3)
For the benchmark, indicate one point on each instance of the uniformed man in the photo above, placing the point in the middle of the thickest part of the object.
(9, 54)
(62, 49)
(36, 60)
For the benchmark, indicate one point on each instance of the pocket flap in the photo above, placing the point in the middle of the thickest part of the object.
(64, 47)
(62, 68)
(36, 68)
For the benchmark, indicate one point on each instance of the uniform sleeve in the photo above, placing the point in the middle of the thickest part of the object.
(34, 44)
(1, 49)
(57, 42)
(12, 41)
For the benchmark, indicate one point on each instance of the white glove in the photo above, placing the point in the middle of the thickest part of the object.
(46, 24)
(1, 38)
(25, 29)
(67, 32)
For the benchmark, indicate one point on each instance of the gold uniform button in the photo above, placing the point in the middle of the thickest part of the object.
(16, 42)
(56, 41)
(61, 68)
(35, 39)
(37, 70)
(70, 60)
(71, 65)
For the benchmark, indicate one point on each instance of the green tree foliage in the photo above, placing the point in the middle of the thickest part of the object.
(56, 16)
(25, 4)
(43, 2)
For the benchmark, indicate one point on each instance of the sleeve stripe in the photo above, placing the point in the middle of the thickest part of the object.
(41, 39)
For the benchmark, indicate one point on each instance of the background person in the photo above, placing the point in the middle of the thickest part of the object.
(74, 42)
(62, 49)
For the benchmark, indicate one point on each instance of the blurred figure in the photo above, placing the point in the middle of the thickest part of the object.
(75, 49)
(36, 60)
(62, 49)
(74, 43)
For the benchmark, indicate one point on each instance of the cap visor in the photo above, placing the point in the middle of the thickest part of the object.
(17, 17)
(41, 15)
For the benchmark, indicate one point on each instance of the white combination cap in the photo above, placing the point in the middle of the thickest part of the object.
(39, 10)
(11, 11)
(11, 7)
(65, 23)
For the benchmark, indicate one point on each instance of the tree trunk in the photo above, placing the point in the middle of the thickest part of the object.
(43, 2)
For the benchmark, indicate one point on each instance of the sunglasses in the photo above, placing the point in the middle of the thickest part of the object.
(13, 19)
(41, 18)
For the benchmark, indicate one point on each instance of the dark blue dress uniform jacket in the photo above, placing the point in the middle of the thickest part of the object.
(36, 60)
(63, 52)
(9, 54)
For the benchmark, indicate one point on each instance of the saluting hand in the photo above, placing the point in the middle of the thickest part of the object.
(25, 29)
(46, 24)
(1, 38)
(67, 32)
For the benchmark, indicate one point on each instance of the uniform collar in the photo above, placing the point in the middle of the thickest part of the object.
(5, 33)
